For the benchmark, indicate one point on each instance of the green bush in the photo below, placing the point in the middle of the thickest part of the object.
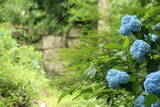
(21, 76)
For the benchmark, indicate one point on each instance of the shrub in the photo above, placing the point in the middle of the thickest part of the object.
(21, 76)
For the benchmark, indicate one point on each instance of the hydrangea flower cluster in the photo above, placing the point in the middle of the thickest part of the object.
(129, 25)
(115, 78)
(157, 104)
(139, 102)
(154, 37)
(152, 83)
(156, 27)
(139, 49)
(145, 37)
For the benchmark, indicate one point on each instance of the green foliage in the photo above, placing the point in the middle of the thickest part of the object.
(20, 71)
(150, 99)
(21, 76)
(111, 50)
(81, 10)
(34, 19)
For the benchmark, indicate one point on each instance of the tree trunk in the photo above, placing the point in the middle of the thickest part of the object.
(102, 12)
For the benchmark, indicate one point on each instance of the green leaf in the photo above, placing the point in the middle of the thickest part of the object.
(152, 11)
(87, 90)
(126, 42)
(150, 99)
(65, 94)
(113, 46)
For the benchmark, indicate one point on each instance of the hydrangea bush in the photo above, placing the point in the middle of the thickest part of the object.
(141, 50)
(130, 54)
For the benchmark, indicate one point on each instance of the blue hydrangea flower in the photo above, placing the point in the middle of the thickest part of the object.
(156, 27)
(152, 83)
(157, 104)
(158, 68)
(145, 37)
(139, 102)
(139, 49)
(125, 30)
(130, 24)
(115, 78)
(154, 37)
(125, 19)
(135, 24)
